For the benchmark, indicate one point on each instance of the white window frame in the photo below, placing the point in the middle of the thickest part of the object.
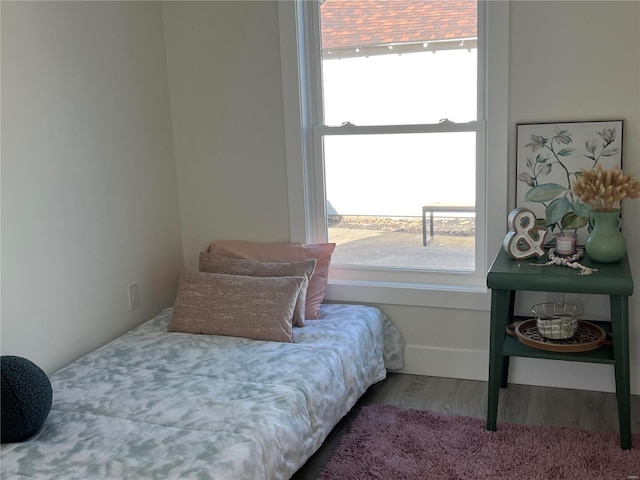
(305, 178)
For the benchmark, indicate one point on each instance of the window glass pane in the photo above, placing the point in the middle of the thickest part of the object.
(399, 62)
(377, 186)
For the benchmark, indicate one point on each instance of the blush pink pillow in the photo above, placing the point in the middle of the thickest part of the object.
(260, 308)
(212, 263)
(286, 252)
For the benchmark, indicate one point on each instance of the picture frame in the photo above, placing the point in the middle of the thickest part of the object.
(548, 157)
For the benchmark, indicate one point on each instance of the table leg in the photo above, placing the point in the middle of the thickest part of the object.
(505, 360)
(619, 306)
(424, 227)
(497, 362)
(431, 223)
(504, 377)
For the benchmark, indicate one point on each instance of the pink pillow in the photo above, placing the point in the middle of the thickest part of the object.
(212, 263)
(286, 252)
(260, 308)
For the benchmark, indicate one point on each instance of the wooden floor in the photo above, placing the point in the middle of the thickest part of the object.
(518, 404)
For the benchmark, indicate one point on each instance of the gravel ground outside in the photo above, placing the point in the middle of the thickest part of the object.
(454, 226)
(397, 241)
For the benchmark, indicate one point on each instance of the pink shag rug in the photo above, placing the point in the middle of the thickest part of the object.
(388, 443)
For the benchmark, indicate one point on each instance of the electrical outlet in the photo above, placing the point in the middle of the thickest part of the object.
(555, 297)
(134, 295)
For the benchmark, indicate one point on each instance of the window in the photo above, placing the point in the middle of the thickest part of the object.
(392, 124)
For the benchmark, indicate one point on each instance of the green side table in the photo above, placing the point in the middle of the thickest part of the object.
(507, 276)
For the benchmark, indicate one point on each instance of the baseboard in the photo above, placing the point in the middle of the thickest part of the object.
(474, 365)
(446, 362)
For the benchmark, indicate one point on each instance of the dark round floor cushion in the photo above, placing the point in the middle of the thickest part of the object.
(26, 398)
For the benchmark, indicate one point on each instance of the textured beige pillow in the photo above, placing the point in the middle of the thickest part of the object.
(286, 252)
(212, 263)
(260, 308)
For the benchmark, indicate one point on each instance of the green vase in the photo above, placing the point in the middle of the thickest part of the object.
(605, 243)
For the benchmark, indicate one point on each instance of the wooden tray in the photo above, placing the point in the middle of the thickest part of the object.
(587, 337)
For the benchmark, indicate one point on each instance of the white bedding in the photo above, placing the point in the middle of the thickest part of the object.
(154, 404)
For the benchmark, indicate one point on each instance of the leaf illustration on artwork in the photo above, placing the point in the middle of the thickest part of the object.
(556, 210)
(571, 220)
(610, 151)
(565, 152)
(544, 193)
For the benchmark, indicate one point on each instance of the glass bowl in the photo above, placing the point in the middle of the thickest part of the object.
(557, 320)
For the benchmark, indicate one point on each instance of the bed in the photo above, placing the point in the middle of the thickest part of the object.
(165, 405)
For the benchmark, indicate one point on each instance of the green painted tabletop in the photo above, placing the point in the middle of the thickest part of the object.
(508, 274)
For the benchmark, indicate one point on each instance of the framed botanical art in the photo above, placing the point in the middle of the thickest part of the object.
(549, 156)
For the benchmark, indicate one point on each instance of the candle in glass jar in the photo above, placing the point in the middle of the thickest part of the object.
(566, 243)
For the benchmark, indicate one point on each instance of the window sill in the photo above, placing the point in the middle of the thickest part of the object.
(464, 297)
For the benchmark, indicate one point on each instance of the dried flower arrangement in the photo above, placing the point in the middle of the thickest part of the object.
(604, 190)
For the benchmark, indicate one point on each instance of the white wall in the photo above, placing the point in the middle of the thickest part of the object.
(226, 101)
(89, 195)
(568, 61)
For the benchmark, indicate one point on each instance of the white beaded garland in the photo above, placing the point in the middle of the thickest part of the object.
(570, 261)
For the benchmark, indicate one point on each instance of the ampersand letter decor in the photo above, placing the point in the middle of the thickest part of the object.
(525, 238)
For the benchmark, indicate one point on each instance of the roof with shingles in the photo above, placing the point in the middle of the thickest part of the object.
(350, 23)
